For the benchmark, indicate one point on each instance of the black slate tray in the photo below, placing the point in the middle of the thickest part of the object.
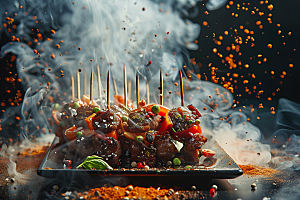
(223, 168)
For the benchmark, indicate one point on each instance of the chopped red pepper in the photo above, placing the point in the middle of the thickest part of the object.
(178, 135)
(89, 121)
(113, 134)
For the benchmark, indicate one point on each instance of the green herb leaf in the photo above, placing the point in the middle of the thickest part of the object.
(94, 162)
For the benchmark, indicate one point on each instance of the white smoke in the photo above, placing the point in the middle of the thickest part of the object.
(111, 34)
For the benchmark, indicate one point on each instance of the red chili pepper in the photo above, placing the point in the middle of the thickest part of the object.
(186, 133)
(140, 165)
(212, 192)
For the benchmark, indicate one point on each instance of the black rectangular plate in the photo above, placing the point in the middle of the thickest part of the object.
(224, 168)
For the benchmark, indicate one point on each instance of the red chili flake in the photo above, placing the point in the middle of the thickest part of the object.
(147, 116)
(168, 32)
(70, 167)
(15, 188)
(150, 62)
(30, 192)
(69, 162)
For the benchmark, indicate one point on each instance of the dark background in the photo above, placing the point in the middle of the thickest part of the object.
(284, 13)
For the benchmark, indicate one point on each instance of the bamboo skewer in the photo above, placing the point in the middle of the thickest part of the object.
(137, 90)
(115, 84)
(161, 88)
(99, 83)
(129, 89)
(73, 89)
(108, 91)
(91, 87)
(181, 89)
(84, 82)
(148, 94)
(78, 85)
(125, 87)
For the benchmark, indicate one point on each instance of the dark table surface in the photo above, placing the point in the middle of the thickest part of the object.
(280, 186)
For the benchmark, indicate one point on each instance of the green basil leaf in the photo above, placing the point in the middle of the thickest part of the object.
(94, 162)
(99, 164)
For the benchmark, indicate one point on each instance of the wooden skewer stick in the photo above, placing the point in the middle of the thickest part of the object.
(125, 87)
(148, 93)
(73, 89)
(99, 83)
(129, 89)
(78, 85)
(84, 82)
(115, 84)
(161, 88)
(91, 88)
(181, 89)
(137, 90)
(108, 91)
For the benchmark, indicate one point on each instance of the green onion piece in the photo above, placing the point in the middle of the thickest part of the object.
(155, 109)
(190, 121)
(124, 119)
(96, 109)
(198, 122)
(184, 116)
(56, 106)
(62, 124)
(176, 161)
(79, 135)
(173, 129)
(76, 105)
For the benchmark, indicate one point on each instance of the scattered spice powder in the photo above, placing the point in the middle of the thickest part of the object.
(117, 192)
(256, 170)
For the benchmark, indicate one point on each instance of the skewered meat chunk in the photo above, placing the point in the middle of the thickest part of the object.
(82, 113)
(182, 118)
(192, 148)
(142, 153)
(106, 147)
(106, 121)
(136, 151)
(142, 122)
(165, 149)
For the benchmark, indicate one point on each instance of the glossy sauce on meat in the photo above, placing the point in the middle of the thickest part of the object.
(192, 148)
(142, 122)
(106, 147)
(165, 149)
(106, 121)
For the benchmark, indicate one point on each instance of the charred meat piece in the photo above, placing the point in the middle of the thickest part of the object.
(142, 153)
(120, 110)
(106, 121)
(141, 122)
(110, 150)
(135, 151)
(182, 118)
(66, 114)
(82, 113)
(192, 148)
(165, 149)
(106, 147)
